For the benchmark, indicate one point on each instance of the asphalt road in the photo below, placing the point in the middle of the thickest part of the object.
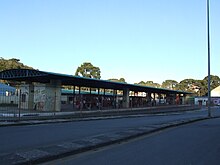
(192, 144)
(16, 138)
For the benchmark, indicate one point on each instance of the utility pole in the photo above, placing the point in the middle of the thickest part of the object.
(208, 33)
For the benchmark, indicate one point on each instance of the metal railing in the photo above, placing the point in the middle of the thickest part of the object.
(17, 104)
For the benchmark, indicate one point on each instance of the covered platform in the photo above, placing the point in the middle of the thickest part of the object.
(41, 90)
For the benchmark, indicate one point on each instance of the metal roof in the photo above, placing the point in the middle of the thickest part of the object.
(29, 75)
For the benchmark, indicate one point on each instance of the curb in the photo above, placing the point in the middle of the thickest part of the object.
(48, 153)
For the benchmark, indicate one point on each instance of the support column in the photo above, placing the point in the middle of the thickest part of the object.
(54, 95)
(154, 100)
(174, 99)
(80, 99)
(178, 99)
(149, 96)
(31, 97)
(27, 97)
(149, 99)
(168, 99)
(183, 99)
(115, 99)
(159, 95)
(126, 98)
(98, 100)
(74, 96)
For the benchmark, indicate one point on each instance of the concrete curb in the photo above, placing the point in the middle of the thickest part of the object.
(47, 153)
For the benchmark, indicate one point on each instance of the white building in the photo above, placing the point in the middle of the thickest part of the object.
(215, 92)
(8, 94)
(215, 98)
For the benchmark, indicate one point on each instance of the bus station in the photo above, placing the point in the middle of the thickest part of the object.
(44, 91)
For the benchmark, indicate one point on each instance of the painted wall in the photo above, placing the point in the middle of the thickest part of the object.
(203, 101)
(46, 97)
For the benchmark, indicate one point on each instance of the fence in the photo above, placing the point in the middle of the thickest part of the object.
(27, 103)
(17, 105)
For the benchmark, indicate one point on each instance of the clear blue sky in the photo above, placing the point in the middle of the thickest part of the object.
(134, 39)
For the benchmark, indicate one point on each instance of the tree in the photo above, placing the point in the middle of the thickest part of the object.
(169, 84)
(203, 88)
(149, 83)
(88, 70)
(152, 84)
(122, 80)
(12, 64)
(188, 85)
(215, 82)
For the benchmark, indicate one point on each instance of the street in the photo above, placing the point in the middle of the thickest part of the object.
(16, 138)
(196, 144)
(37, 143)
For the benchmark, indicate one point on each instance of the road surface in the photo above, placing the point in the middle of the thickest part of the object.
(16, 138)
(192, 144)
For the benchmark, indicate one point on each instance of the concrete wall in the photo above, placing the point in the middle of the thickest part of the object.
(203, 101)
(41, 97)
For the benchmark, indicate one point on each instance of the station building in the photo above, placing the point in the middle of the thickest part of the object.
(42, 91)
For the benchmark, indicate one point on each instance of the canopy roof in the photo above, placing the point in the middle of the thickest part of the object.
(29, 75)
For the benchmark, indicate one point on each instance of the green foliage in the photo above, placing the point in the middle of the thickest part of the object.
(149, 83)
(12, 64)
(215, 82)
(198, 87)
(122, 80)
(169, 84)
(188, 85)
(88, 70)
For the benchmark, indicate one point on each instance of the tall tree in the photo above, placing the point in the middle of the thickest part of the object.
(152, 84)
(169, 84)
(149, 83)
(122, 80)
(188, 85)
(215, 82)
(88, 70)
(12, 64)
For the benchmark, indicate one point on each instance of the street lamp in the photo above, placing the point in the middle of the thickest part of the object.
(208, 33)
